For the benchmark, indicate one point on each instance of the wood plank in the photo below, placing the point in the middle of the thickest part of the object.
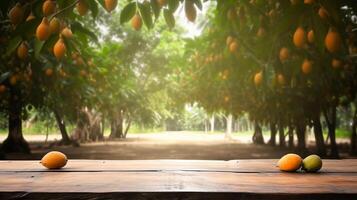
(249, 166)
(178, 181)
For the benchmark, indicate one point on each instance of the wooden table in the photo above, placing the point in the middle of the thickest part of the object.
(175, 179)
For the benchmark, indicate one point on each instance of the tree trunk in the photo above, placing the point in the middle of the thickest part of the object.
(272, 140)
(15, 142)
(117, 126)
(330, 116)
(127, 128)
(212, 123)
(354, 134)
(62, 126)
(229, 121)
(291, 137)
(258, 135)
(281, 136)
(300, 132)
(319, 138)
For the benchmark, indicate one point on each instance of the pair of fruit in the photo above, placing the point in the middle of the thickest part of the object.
(293, 162)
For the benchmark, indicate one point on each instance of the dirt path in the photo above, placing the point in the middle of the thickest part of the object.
(167, 145)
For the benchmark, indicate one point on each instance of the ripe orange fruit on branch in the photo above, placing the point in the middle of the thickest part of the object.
(59, 49)
(290, 162)
(323, 13)
(336, 63)
(67, 33)
(136, 22)
(306, 66)
(299, 37)
(110, 4)
(258, 78)
(16, 14)
(48, 7)
(233, 47)
(311, 36)
(49, 72)
(2, 88)
(190, 11)
(229, 40)
(284, 54)
(280, 78)
(333, 41)
(54, 160)
(43, 30)
(22, 51)
(82, 7)
(161, 3)
(55, 25)
(309, 1)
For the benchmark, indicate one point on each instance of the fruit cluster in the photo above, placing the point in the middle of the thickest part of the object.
(293, 162)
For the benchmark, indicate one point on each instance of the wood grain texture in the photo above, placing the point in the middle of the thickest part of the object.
(255, 177)
(259, 166)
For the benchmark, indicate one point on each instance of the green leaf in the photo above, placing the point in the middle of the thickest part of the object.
(77, 27)
(173, 5)
(38, 47)
(156, 9)
(93, 6)
(13, 44)
(169, 18)
(145, 11)
(128, 12)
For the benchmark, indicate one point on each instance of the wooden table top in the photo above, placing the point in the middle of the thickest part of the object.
(260, 177)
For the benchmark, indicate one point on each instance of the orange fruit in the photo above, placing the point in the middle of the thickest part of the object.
(49, 72)
(311, 36)
(55, 25)
(229, 40)
(43, 30)
(59, 49)
(110, 4)
(333, 41)
(54, 160)
(284, 54)
(280, 78)
(13, 80)
(190, 11)
(233, 47)
(309, 1)
(48, 7)
(261, 32)
(336, 63)
(258, 78)
(67, 33)
(2, 88)
(299, 37)
(323, 13)
(16, 14)
(161, 3)
(22, 51)
(226, 99)
(82, 7)
(30, 17)
(136, 22)
(306, 66)
(290, 162)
